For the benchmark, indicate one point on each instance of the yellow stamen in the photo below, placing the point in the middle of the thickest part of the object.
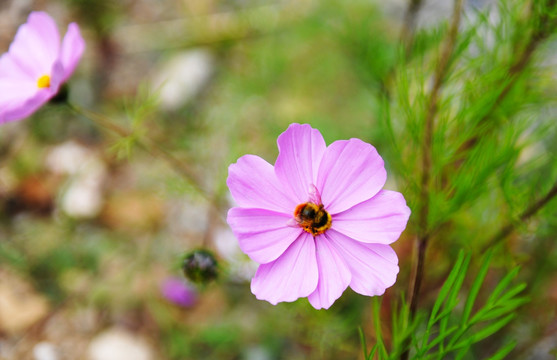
(43, 82)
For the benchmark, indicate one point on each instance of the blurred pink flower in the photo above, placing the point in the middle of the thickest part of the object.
(35, 66)
(178, 292)
(318, 221)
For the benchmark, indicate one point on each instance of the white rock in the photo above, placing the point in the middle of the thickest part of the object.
(83, 196)
(45, 351)
(67, 158)
(82, 199)
(257, 353)
(182, 77)
(118, 344)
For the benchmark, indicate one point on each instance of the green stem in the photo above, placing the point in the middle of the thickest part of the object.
(154, 149)
(409, 23)
(528, 213)
(427, 152)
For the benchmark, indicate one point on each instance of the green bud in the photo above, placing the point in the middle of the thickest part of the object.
(200, 266)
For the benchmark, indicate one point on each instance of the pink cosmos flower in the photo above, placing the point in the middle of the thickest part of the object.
(35, 66)
(318, 221)
(178, 292)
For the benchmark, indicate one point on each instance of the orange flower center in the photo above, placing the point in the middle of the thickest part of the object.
(313, 218)
(43, 82)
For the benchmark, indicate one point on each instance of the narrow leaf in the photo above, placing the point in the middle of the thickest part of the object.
(502, 285)
(504, 351)
(487, 331)
(475, 289)
(446, 288)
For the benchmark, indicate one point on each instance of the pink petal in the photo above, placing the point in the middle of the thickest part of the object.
(293, 275)
(11, 71)
(351, 172)
(380, 219)
(57, 77)
(374, 267)
(36, 45)
(21, 108)
(21, 97)
(253, 184)
(73, 46)
(14, 89)
(263, 235)
(300, 151)
(334, 274)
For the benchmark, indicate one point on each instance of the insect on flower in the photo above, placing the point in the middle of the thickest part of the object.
(317, 221)
(36, 65)
(312, 218)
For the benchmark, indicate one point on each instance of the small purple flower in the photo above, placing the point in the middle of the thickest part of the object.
(178, 292)
(318, 221)
(35, 66)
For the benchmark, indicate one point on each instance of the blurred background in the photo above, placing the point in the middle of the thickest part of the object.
(94, 230)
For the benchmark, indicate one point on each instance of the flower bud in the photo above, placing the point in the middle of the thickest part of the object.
(200, 266)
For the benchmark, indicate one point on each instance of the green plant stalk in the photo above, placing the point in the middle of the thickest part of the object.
(152, 148)
(427, 149)
(406, 34)
(530, 211)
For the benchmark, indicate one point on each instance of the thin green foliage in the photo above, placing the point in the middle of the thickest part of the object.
(487, 113)
(123, 147)
(145, 103)
(137, 110)
(479, 123)
(457, 321)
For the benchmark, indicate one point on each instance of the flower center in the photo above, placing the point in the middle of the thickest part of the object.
(313, 218)
(43, 82)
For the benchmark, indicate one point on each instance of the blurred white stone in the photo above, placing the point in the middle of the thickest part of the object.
(45, 351)
(67, 158)
(118, 344)
(82, 197)
(242, 268)
(183, 77)
(257, 353)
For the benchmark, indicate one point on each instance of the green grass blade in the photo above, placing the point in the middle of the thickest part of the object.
(486, 331)
(503, 284)
(445, 289)
(475, 289)
(503, 352)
